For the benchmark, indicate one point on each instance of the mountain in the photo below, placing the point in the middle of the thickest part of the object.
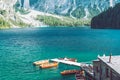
(109, 19)
(6, 12)
(72, 8)
(21, 13)
(12, 16)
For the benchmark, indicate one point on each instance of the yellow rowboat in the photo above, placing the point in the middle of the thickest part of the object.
(49, 65)
(41, 62)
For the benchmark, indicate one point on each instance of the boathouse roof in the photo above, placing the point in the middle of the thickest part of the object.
(113, 63)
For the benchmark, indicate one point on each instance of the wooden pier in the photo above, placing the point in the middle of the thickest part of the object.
(69, 62)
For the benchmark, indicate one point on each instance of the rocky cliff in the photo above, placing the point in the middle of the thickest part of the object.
(7, 12)
(10, 17)
(72, 8)
(7, 5)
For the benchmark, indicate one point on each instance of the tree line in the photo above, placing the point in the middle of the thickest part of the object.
(107, 19)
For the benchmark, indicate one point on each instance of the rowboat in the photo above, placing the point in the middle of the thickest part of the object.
(41, 62)
(68, 72)
(49, 65)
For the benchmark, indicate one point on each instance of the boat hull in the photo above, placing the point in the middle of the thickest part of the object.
(68, 72)
(41, 62)
(49, 65)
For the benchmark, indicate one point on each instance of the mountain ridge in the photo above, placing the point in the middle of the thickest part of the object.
(88, 8)
(22, 13)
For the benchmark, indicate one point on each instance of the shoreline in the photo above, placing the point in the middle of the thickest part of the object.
(87, 27)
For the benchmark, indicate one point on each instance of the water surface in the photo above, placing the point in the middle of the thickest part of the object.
(19, 48)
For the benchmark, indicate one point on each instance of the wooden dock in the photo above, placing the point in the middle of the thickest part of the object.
(69, 62)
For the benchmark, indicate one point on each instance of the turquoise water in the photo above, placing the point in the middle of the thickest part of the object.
(19, 48)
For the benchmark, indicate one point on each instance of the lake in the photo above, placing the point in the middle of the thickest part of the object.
(19, 48)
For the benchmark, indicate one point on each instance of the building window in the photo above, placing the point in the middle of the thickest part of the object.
(107, 72)
(97, 70)
(100, 71)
